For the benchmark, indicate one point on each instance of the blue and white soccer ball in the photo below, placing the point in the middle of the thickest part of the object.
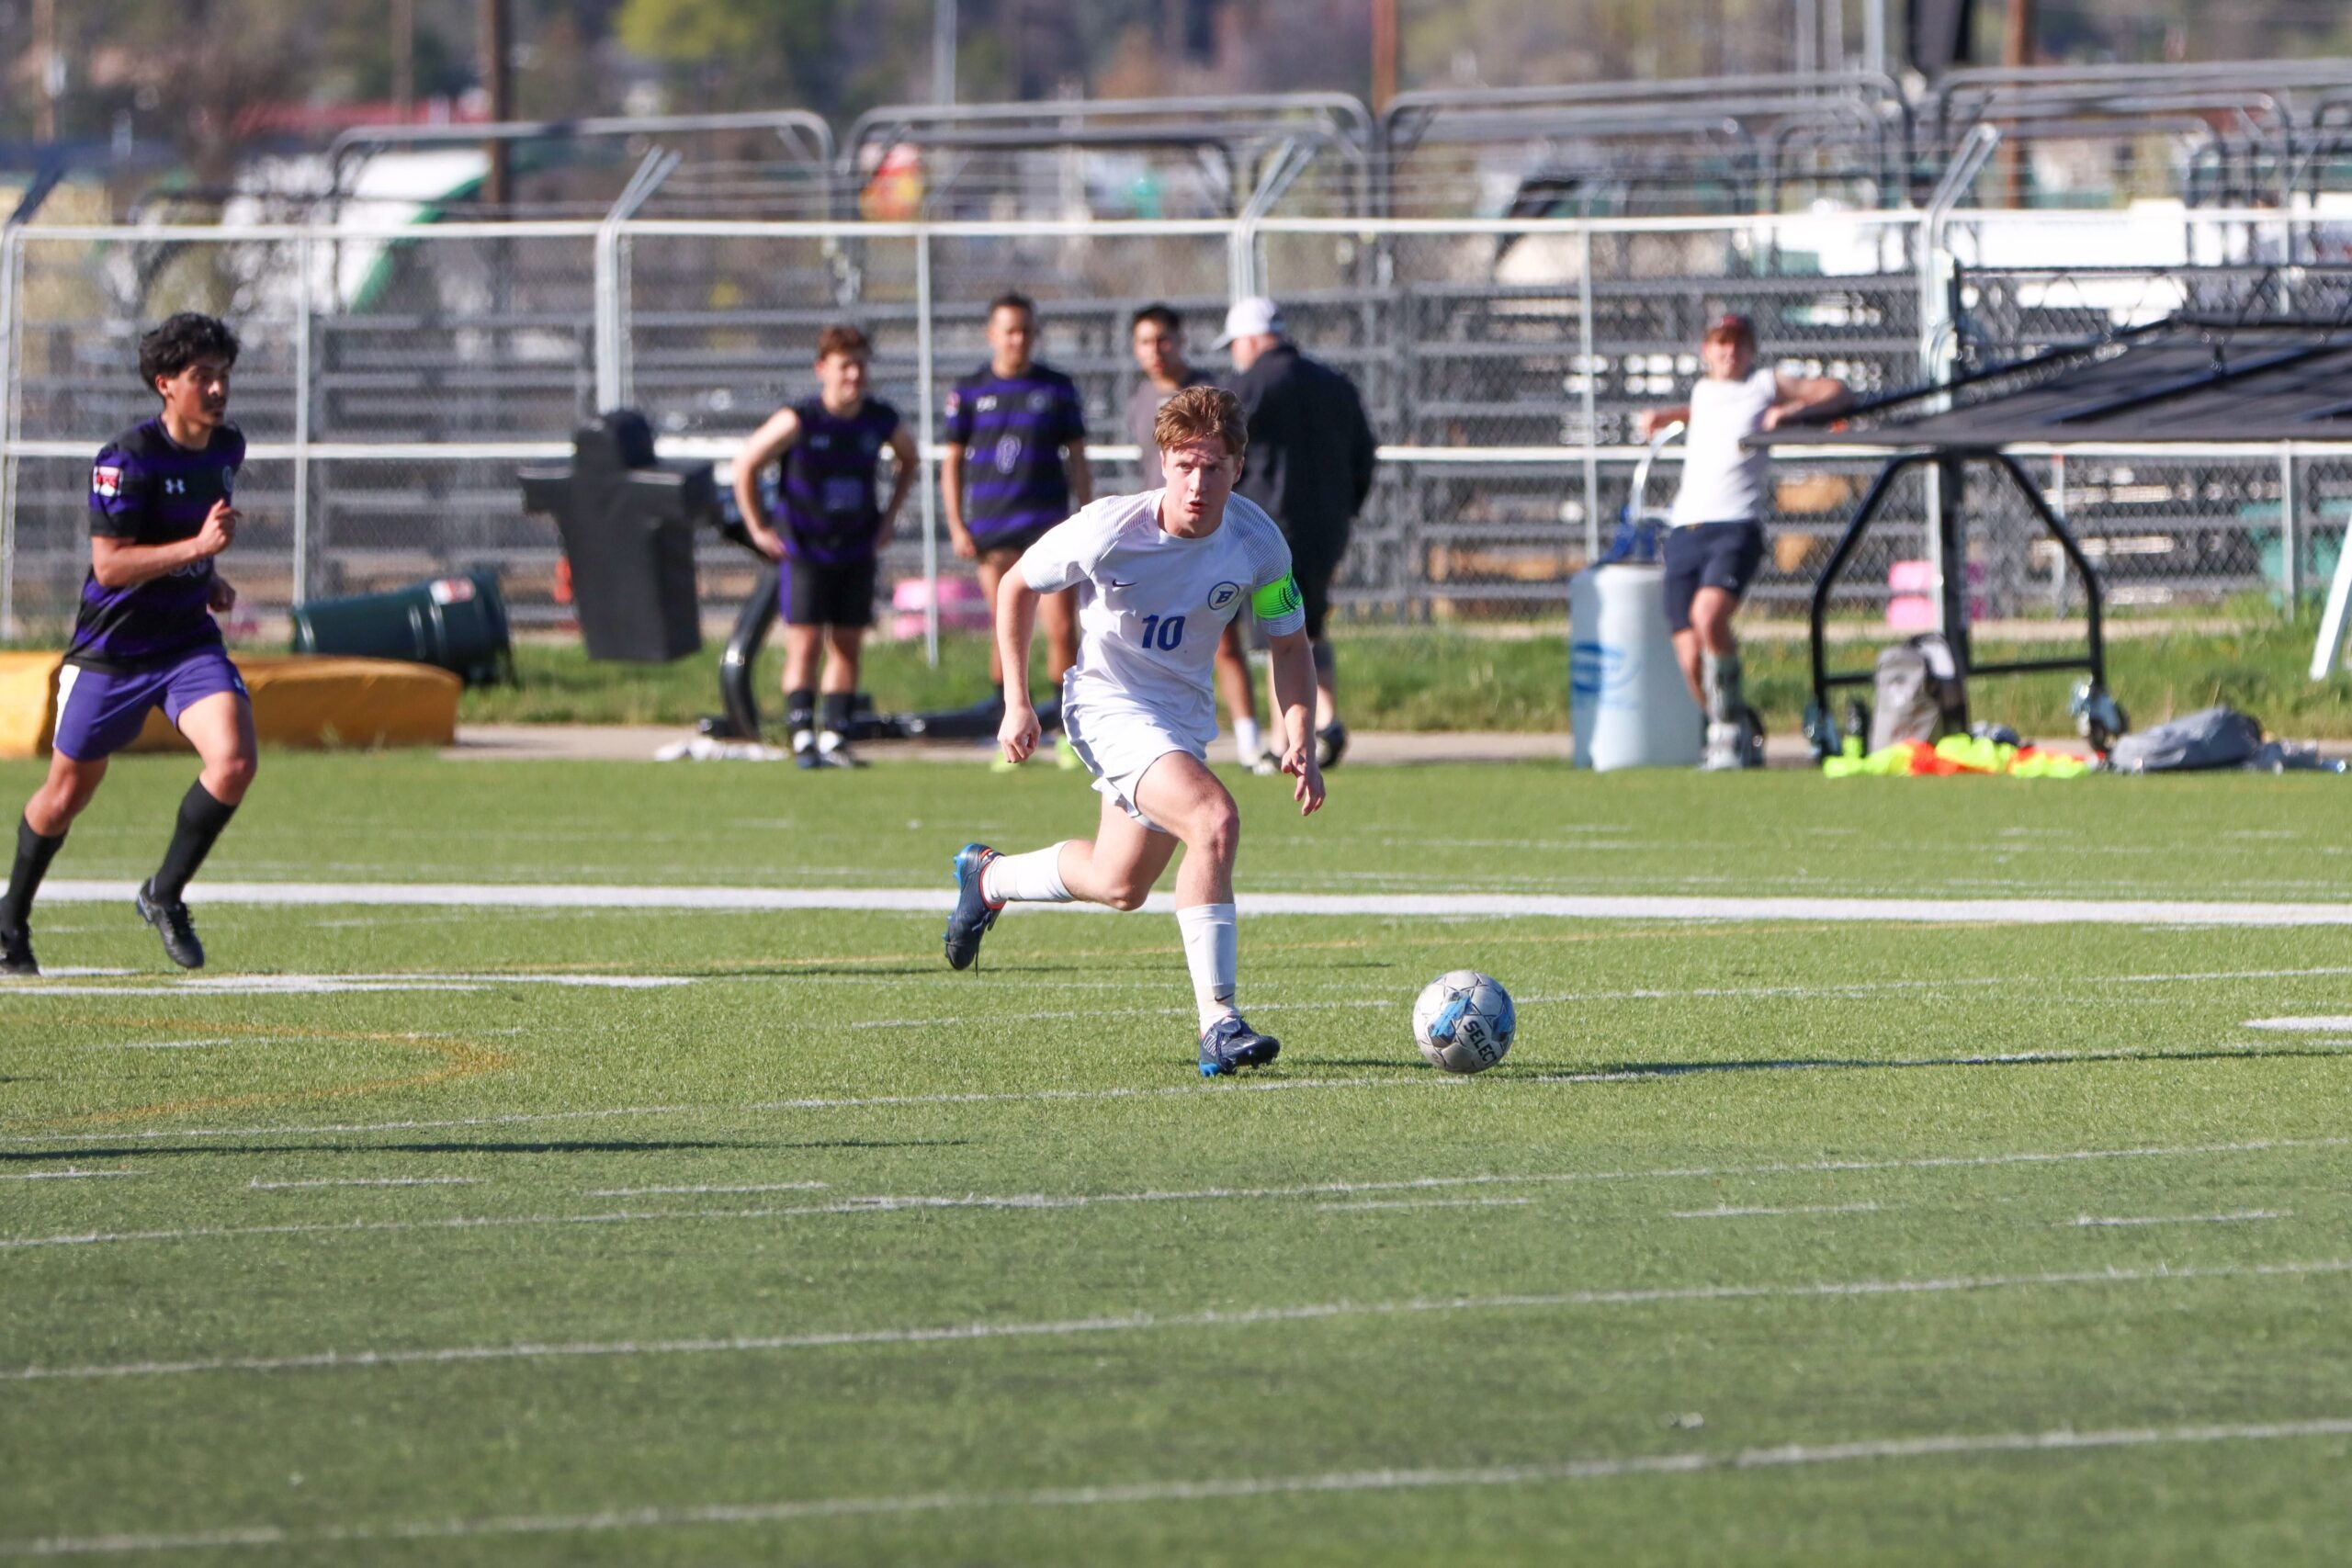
(1463, 1022)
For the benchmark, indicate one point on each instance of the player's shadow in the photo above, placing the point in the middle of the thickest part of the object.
(1862, 1063)
(821, 972)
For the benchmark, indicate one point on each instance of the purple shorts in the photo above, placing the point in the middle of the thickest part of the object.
(101, 712)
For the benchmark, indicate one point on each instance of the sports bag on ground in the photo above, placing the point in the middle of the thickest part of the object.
(2215, 738)
(1919, 695)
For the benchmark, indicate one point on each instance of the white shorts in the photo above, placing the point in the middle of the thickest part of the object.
(1119, 745)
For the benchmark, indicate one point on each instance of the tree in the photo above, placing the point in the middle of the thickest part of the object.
(740, 53)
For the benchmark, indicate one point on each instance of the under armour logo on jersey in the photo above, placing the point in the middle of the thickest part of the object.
(175, 487)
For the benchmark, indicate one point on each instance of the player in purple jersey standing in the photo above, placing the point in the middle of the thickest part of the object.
(1016, 429)
(144, 637)
(828, 534)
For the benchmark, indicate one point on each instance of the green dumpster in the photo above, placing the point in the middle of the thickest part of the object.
(456, 623)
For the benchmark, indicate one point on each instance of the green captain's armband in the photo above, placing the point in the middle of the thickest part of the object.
(1275, 600)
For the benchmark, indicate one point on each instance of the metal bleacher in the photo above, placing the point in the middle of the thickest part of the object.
(1517, 348)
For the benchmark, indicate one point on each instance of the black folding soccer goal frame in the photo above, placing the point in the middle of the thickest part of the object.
(1951, 554)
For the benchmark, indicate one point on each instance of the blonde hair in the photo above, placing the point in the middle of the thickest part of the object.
(1198, 412)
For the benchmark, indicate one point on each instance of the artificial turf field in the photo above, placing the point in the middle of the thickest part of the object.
(435, 1233)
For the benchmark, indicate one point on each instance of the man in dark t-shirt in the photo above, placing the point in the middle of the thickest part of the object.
(1019, 428)
(828, 530)
(145, 637)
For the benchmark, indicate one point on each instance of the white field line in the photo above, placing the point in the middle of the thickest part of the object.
(1146, 1322)
(1425, 1203)
(313, 984)
(166, 1044)
(937, 900)
(344, 985)
(1440, 1082)
(258, 1185)
(1727, 1211)
(1952, 1445)
(65, 1175)
(1652, 994)
(892, 1203)
(2312, 1025)
(2234, 1217)
(746, 1186)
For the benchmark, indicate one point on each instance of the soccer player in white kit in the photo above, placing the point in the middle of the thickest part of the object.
(1158, 576)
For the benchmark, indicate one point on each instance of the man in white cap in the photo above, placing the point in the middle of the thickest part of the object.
(1308, 464)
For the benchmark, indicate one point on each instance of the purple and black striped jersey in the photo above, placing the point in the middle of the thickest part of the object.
(827, 500)
(1012, 430)
(145, 488)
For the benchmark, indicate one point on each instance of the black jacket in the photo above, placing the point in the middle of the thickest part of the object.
(1310, 458)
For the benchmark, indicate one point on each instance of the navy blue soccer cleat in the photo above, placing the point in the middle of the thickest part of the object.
(1230, 1045)
(974, 914)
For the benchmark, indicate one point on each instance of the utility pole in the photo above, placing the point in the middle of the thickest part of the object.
(51, 84)
(403, 58)
(2016, 50)
(943, 52)
(1384, 53)
(498, 81)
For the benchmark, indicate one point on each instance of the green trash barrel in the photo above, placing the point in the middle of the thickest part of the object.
(456, 623)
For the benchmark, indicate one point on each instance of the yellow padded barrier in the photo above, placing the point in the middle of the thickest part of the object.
(298, 700)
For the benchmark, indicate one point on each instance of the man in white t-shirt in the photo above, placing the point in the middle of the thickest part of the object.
(1158, 575)
(1716, 540)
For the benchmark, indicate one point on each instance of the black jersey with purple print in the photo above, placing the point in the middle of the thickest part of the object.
(145, 488)
(827, 500)
(1012, 430)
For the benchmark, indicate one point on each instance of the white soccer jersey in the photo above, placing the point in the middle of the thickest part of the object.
(1151, 605)
(1722, 481)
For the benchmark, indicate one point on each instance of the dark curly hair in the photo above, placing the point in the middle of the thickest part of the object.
(180, 342)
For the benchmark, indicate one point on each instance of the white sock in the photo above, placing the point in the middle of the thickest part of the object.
(1246, 740)
(1031, 878)
(1211, 951)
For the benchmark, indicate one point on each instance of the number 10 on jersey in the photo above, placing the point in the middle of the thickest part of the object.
(1163, 634)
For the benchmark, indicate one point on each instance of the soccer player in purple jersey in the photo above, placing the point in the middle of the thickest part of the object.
(144, 637)
(1017, 429)
(828, 533)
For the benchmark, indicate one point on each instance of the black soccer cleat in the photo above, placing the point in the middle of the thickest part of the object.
(1229, 1046)
(973, 914)
(17, 952)
(1331, 744)
(171, 922)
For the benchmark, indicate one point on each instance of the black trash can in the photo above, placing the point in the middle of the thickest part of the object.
(629, 524)
(456, 623)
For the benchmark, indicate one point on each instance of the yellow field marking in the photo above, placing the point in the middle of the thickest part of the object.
(460, 1059)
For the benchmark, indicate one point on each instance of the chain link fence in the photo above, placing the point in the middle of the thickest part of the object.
(392, 380)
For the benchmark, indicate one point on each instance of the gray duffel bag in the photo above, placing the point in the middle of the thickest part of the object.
(2215, 738)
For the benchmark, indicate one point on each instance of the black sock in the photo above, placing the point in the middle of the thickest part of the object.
(799, 710)
(34, 851)
(837, 713)
(201, 819)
